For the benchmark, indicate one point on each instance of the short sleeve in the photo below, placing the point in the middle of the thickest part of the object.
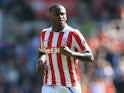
(79, 41)
(41, 44)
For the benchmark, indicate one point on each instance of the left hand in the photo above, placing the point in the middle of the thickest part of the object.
(65, 50)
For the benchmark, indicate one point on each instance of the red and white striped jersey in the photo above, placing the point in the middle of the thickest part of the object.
(62, 70)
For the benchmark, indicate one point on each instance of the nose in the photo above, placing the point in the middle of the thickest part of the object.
(60, 16)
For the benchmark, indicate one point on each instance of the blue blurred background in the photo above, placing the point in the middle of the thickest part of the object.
(100, 21)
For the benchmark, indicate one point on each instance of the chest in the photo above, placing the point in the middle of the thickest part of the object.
(55, 40)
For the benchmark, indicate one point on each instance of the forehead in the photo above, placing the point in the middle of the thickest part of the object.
(58, 9)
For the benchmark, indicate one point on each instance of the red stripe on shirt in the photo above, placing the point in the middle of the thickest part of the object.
(59, 60)
(79, 41)
(76, 67)
(42, 35)
(46, 75)
(77, 71)
(69, 42)
(50, 58)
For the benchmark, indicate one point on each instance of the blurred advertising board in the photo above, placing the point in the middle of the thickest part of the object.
(41, 7)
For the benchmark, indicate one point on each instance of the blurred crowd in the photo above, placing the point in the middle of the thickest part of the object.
(19, 44)
(106, 75)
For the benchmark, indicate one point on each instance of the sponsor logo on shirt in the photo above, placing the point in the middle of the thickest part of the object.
(52, 50)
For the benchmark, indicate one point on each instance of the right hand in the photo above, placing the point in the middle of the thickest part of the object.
(41, 67)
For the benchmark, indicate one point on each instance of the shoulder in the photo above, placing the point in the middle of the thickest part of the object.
(71, 29)
(45, 30)
(74, 30)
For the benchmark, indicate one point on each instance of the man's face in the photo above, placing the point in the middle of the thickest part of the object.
(58, 16)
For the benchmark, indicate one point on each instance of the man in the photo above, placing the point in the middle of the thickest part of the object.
(61, 46)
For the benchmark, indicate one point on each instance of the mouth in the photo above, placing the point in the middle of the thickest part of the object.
(60, 21)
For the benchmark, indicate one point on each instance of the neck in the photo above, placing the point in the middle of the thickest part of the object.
(58, 28)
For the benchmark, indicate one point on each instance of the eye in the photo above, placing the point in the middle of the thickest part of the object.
(58, 14)
(61, 13)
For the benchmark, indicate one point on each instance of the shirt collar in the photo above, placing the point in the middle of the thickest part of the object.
(66, 26)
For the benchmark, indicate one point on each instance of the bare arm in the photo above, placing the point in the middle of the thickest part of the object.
(84, 56)
(41, 56)
(41, 65)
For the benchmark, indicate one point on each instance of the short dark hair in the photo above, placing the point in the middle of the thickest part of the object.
(55, 6)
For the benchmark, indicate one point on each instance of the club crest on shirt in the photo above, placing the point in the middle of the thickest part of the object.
(84, 42)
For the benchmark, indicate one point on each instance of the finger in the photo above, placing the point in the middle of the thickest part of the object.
(62, 43)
